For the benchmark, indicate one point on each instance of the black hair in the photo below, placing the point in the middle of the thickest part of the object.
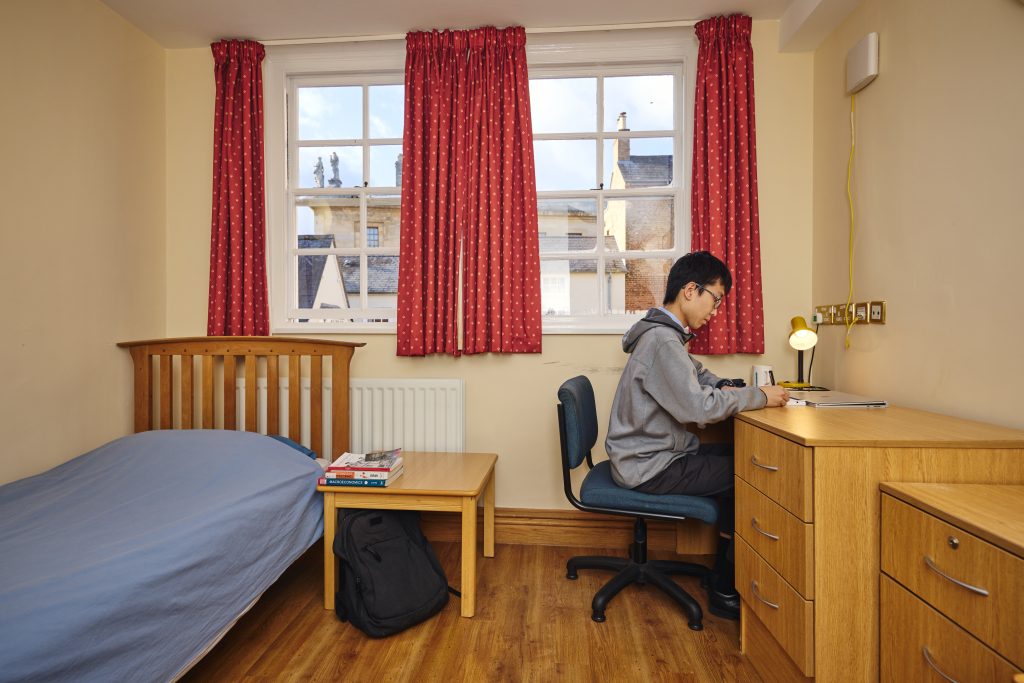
(701, 267)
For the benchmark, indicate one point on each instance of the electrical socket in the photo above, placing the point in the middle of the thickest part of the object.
(860, 313)
(876, 312)
(827, 314)
(840, 318)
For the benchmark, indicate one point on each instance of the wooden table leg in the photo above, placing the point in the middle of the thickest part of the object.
(489, 517)
(330, 572)
(468, 556)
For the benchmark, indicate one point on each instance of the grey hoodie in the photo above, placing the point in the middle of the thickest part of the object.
(663, 388)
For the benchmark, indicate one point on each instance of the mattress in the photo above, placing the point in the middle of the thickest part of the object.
(126, 562)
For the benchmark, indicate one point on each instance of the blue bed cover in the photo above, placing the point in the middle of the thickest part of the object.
(124, 563)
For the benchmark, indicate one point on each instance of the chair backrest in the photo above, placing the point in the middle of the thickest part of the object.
(577, 421)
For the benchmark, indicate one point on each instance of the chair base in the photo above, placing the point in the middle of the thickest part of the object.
(639, 570)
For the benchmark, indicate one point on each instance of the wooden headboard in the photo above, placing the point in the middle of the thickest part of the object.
(158, 362)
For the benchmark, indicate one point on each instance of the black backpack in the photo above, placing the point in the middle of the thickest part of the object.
(390, 576)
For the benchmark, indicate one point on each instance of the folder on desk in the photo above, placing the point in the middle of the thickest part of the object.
(836, 399)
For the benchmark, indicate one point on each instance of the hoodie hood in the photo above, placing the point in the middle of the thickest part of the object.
(655, 317)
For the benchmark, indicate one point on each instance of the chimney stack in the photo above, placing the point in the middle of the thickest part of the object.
(622, 144)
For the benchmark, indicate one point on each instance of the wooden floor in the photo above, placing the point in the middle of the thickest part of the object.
(531, 624)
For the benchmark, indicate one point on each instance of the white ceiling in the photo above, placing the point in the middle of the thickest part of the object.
(197, 23)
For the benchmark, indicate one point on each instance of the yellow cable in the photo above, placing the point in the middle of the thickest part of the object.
(849, 319)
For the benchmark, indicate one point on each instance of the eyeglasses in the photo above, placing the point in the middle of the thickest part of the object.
(718, 299)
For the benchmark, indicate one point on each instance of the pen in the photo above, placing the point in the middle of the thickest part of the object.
(771, 376)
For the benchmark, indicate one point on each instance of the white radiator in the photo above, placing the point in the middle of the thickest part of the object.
(412, 414)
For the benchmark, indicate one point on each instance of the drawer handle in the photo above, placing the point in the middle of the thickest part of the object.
(753, 589)
(758, 529)
(974, 589)
(934, 666)
(770, 468)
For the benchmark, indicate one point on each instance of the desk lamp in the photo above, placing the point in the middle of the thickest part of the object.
(801, 338)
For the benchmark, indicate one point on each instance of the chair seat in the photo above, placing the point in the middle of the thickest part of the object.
(599, 489)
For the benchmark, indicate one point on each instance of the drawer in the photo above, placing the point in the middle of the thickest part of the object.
(781, 539)
(777, 467)
(909, 626)
(786, 615)
(912, 538)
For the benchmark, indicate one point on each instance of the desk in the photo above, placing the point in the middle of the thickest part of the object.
(452, 482)
(808, 519)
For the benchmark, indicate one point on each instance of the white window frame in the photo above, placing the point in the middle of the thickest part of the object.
(286, 69)
(618, 322)
(611, 52)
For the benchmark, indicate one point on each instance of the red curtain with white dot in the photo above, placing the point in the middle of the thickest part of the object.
(469, 197)
(238, 278)
(724, 189)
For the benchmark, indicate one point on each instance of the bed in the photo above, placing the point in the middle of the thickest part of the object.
(131, 561)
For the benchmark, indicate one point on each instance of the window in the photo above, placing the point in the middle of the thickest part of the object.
(612, 167)
(606, 143)
(344, 172)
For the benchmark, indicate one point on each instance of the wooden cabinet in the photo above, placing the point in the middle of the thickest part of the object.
(952, 587)
(808, 524)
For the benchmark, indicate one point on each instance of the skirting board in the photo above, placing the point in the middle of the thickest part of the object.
(582, 529)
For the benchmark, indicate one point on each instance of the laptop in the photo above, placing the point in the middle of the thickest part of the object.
(836, 399)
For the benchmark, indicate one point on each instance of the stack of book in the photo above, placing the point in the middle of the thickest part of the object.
(377, 468)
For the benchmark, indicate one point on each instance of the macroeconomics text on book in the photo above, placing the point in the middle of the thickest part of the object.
(336, 481)
(375, 461)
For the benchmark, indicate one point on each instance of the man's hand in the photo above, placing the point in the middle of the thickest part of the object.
(777, 396)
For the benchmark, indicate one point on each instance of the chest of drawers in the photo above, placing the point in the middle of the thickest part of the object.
(808, 524)
(952, 582)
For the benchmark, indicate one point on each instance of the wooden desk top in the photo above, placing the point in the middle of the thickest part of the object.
(994, 512)
(880, 427)
(426, 473)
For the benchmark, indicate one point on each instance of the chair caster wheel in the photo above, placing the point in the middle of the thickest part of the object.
(599, 618)
(696, 626)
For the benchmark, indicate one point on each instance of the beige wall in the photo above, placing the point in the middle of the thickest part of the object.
(81, 224)
(511, 399)
(938, 188)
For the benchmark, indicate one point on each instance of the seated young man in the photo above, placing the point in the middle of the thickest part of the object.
(663, 388)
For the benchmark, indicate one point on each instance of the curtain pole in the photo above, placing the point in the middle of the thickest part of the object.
(552, 29)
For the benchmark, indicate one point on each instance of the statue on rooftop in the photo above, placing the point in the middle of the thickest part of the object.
(335, 180)
(318, 171)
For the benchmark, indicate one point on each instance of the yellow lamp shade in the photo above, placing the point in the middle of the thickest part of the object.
(802, 337)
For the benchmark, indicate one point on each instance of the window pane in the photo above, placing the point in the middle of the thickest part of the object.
(327, 222)
(384, 213)
(330, 113)
(330, 166)
(563, 105)
(636, 284)
(637, 162)
(643, 224)
(646, 102)
(320, 281)
(386, 165)
(387, 110)
(567, 224)
(382, 282)
(569, 287)
(565, 164)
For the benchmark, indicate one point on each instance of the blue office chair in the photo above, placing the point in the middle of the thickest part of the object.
(577, 424)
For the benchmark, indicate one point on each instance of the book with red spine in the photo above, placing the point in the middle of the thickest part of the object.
(340, 481)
